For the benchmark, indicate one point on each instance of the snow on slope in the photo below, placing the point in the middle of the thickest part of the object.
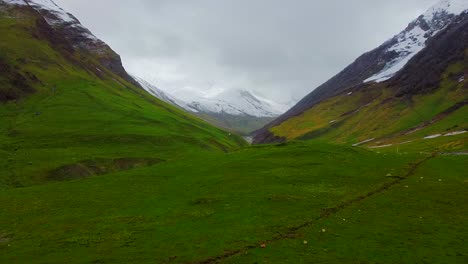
(158, 93)
(232, 102)
(49, 5)
(239, 102)
(413, 39)
(56, 16)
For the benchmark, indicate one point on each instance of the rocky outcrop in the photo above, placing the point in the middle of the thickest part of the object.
(424, 72)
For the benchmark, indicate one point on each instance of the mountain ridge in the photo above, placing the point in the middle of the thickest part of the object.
(238, 110)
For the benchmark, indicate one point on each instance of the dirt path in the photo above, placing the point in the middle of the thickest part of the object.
(292, 232)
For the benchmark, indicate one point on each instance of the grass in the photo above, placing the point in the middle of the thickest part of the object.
(421, 220)
(187, 210)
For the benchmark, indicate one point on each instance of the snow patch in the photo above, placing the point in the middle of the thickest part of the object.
(455, 7)
(433, 136)
(52, 7)
(14, 2)
(412, 40)
(158, 93)
(455, 133)
(363, 142)
(59, 16)
(382, 146)
(406, 142)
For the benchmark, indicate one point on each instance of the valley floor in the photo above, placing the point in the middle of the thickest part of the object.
(301, 202)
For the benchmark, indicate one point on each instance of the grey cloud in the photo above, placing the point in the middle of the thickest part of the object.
(279, 49)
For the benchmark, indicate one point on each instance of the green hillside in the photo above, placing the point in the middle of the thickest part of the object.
(67, 114)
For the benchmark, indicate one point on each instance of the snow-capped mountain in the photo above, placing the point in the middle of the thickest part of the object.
(231, 102)
(160, 94)
(238, 102)
(386, 62)
(238, 110)
(412, 40)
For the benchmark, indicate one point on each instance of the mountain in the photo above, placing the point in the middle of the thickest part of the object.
(238, 102)
(69, 109)
(236, 110)
(415, 79)
(160, 94)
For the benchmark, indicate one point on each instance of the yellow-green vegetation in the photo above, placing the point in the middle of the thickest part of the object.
(374, 113)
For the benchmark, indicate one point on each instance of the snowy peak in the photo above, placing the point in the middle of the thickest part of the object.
(239, 102)
(160, 94)
(404, 46)
(231, 102)
(454, 7)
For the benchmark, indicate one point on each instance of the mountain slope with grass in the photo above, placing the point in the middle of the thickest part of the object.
(424, 100)
(66, 100)
(387, 64)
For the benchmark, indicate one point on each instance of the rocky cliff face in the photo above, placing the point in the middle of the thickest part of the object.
(423, 73)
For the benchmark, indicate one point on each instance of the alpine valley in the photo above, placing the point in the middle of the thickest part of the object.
(236, 110)
(99, 166)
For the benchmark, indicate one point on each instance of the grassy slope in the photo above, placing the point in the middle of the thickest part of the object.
(74, 115)
(372, 112)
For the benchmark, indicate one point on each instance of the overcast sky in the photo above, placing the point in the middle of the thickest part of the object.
(279, 49)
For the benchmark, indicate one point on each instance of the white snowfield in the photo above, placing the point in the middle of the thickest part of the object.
(46, 5)
(455, 133)
(412, 40)
(158, 93)
(232, 102)
(433, 136)
(239, 102)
